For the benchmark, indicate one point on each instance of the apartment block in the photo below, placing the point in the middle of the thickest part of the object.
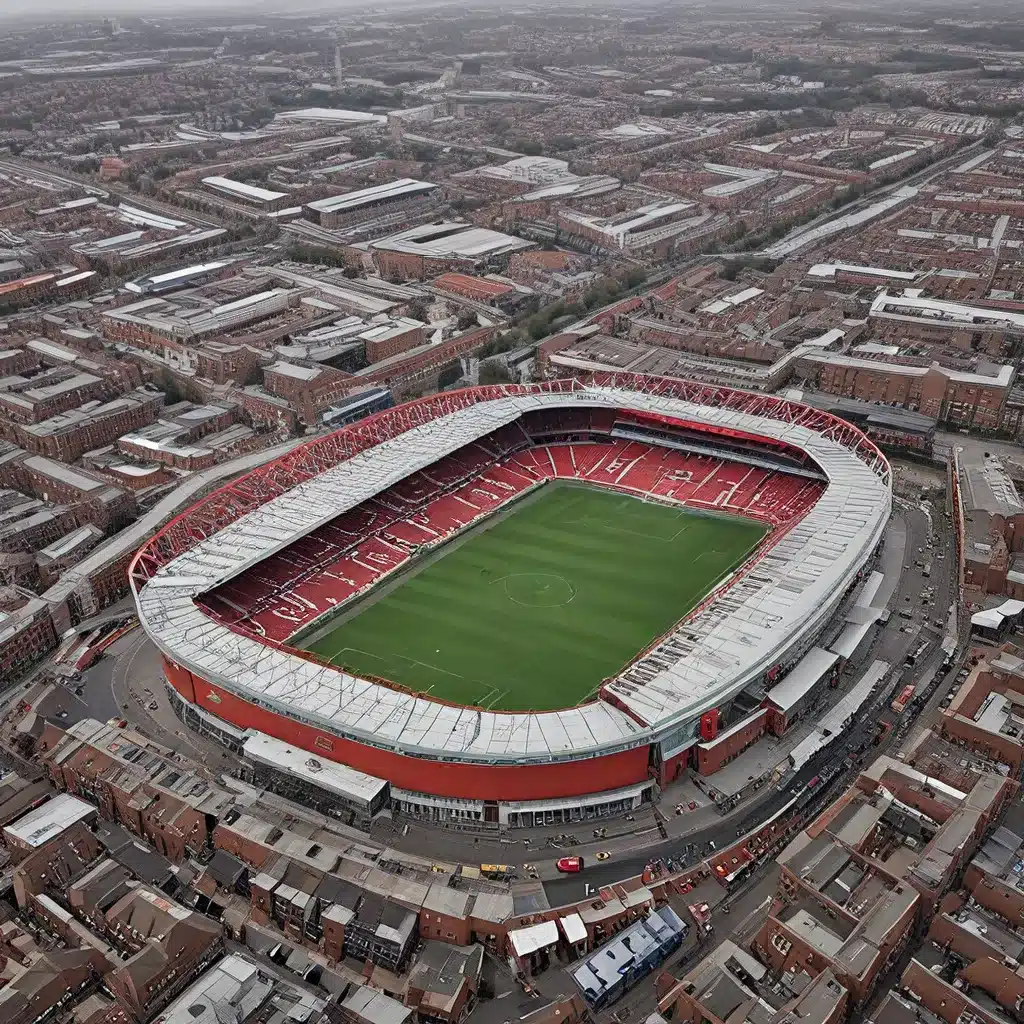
(68, 436)
(26, 632)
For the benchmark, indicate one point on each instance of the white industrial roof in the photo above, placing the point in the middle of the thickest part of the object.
(243, 191)
(829, 270)
(53, 818)
(330, 114)
(573, 928)
(533, 938)
(330, 775)
(184, 272)
(941, 311)
(375, 193)
(734, 639)
(802, 678)
(834, 722)
(451, 239)
(992, 618)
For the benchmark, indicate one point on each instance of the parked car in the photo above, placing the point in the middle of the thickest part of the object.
(569, 865)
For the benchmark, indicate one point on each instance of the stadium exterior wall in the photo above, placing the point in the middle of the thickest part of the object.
(499, 783)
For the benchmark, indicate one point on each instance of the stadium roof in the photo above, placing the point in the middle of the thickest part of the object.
(733, 640)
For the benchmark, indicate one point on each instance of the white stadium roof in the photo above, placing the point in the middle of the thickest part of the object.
(740, 634)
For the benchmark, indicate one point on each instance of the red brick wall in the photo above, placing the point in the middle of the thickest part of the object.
(711, 757)
(392, 346)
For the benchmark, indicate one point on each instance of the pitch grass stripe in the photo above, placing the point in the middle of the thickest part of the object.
(534, 612)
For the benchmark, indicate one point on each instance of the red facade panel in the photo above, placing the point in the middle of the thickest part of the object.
(466, 781)
(709, 725)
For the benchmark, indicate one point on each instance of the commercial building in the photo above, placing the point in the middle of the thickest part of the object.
(183, 277)
(405, 195)
(152, 322)
(328, 786)
(431, 249)
(619, 964)
(238, 191)
(235, 989)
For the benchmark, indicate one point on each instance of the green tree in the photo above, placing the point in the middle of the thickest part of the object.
(494, 371)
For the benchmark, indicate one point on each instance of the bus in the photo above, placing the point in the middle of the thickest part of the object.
(899, 705)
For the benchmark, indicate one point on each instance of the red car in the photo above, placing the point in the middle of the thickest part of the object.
(570, 865)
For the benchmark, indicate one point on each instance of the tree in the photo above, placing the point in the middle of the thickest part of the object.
(494, 371)
(417, 309)
(449, 375)
(466, 320)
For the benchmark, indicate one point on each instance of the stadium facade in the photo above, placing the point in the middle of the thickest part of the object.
(226, 587)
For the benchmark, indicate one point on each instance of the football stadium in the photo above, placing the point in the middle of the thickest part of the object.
(514, 601)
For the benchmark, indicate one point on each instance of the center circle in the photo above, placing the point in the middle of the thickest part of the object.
(538, 589)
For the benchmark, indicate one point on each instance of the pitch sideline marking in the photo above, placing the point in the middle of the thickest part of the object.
(492, 692)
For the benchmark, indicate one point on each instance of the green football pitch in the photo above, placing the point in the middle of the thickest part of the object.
(534, 610)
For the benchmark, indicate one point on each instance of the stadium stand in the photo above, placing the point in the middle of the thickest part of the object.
(316, 575)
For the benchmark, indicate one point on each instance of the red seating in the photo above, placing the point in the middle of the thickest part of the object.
(352, 552)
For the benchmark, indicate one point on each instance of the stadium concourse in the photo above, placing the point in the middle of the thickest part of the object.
(283, 557)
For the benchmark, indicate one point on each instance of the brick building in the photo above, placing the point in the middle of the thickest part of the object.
(32, 399)
(26, 632)
(221, 362)
(730, 985)
(168, 946)
(50, 983)
(15, 361)
(58, 557)
(868, 829)
(67, 436)
(962, 399)
(92, 499)
(136, 783)
(970, 968)
(479, 289)
(984, 715)
(52, 868)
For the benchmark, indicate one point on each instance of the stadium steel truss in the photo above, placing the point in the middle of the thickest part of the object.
(763, 617)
